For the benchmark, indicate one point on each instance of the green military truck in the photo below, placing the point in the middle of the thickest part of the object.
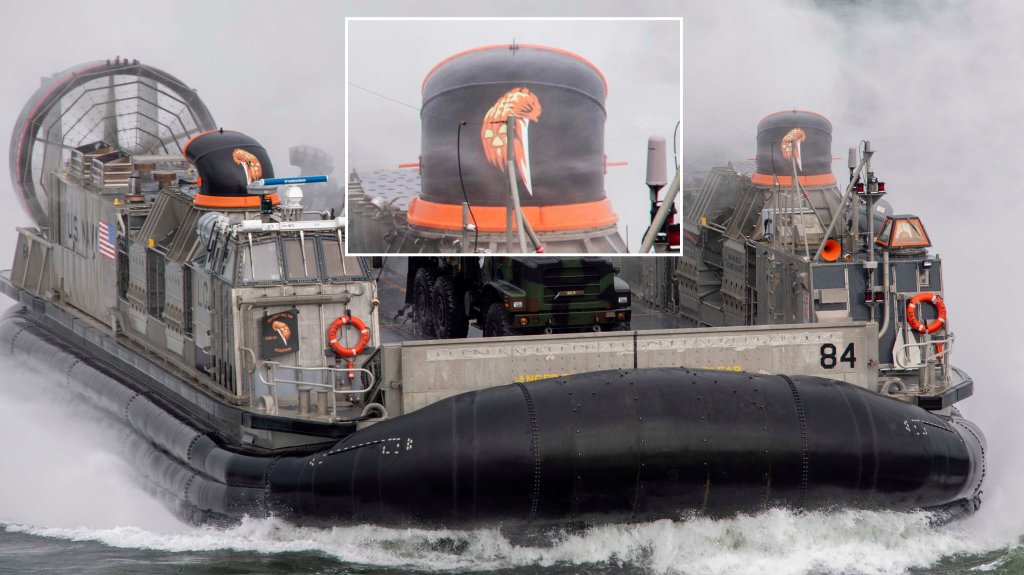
(515, 295)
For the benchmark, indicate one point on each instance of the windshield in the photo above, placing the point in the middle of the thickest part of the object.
(300, 259)
(340, 265)
(260, 262)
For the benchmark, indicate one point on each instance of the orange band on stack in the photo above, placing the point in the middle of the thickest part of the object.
(564, 217)
(769, 180)
(206, 201)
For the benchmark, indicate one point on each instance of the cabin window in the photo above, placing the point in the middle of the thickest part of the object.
(260, 263)
(908, 232)
(903, 232)
(229, 268)
(186, 280)
(155, 284)
(340, 265)
(883, 236)
(223, 261)
(300, 259)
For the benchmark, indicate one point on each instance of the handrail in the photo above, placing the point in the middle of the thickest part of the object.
(252, 356)
(947, 345)
(276, 364)
(34, 236)
(274, 382)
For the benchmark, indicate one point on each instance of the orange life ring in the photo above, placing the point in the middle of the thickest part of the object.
(933, 326)
(335, 329)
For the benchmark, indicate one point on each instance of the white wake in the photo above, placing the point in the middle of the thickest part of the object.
(776, 541)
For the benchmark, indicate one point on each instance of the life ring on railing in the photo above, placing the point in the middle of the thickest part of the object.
(335, 329)
(915, 322)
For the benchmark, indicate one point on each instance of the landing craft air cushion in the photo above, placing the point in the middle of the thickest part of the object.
(224, 325)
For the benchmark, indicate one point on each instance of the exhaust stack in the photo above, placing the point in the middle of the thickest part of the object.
(805, 137)
(556, 99)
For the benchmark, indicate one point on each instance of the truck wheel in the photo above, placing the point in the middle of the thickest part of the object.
(498, 321)
(621, 326)
(450, 319)
(421, 286)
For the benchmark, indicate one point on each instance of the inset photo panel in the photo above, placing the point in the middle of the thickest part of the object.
(513, 135)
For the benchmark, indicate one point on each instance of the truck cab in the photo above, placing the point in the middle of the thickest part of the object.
(516, 295)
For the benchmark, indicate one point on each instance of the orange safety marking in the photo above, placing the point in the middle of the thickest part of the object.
(769, 180)
(251, 201)
(564, 217)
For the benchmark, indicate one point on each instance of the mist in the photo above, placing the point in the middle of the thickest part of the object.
(62, 463)
(935, 86)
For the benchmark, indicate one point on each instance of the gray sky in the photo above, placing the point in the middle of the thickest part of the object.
(639, 59)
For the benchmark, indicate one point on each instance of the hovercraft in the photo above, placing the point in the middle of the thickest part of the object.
(180, 286)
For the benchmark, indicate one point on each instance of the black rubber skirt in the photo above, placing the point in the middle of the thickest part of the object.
(609, 446)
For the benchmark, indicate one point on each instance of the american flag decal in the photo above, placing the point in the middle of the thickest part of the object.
(107, 238)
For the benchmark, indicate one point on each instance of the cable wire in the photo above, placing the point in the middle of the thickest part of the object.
(458, 155)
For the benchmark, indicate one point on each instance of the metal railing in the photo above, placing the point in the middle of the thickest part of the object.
(941, 356)
(327, 393)
(927, 379)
